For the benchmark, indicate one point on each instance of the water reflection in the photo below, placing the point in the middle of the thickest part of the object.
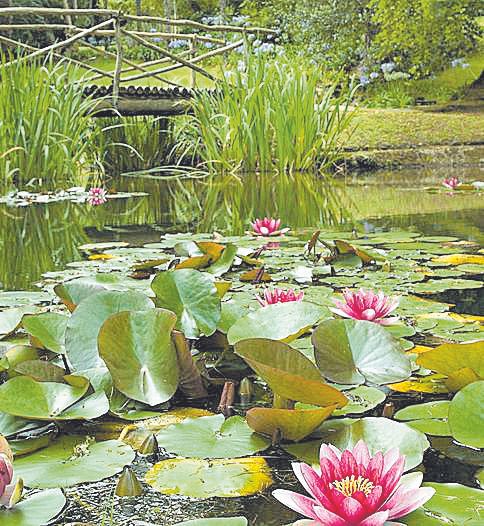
(42, 238)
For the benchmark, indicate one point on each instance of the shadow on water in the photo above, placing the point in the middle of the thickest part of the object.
(41, 238)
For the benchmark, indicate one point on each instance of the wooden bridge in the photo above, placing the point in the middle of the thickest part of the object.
(116, 88)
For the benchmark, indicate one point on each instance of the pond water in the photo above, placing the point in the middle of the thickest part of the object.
(45, 238)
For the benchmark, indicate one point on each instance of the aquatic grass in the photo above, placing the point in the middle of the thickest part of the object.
(133, 143)
(267, 115)
(46, 132)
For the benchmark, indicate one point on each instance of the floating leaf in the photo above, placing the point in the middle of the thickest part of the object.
(224, 262)
(192, 296)
(35, 510)
(432, 286)
(452, 504)
(86, 321)
(281, 321)
(293, 424)
(47, 330)
(354, 352)
(381, 434)
(466, 415)
(460, 259)
(139, 353)
(23, 396)
(430, 418)
(232, 477)
(433, 383)
(73, 460)
(10, 319)
(361, 399)
(462, 363)
(41, 371)
(11, 425)
(288, 372)
(211, 437)
(72, 292)
(225, 521)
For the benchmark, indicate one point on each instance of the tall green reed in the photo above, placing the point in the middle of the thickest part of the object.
(267, 115)
(46, 133)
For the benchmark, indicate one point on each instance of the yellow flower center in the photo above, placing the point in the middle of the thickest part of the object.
(350, 485)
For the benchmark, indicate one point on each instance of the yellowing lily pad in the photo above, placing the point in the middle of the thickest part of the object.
(433, 383)
(232, 477)
(460, 259)
(293, 424)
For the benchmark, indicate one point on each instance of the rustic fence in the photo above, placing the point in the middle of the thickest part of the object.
(117, 26)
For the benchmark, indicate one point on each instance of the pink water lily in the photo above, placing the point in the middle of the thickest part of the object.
(96, 196)
(269, 297)
(451, 182)
(268, 227)
(367, 305)
(355, 489)
(10, 490)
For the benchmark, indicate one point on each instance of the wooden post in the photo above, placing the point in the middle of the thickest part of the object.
(193, 52)
(119, 60)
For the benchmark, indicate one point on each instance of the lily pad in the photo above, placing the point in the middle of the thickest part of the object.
(466, 415)
(86, 321)
(224, 521)
(293, 424)
(452, 504)
(381, 434)
(288, 372)
(73, 460)
(355, 352)
(361, 399)
(10, 319)
(194, 477)
(139, 353)
(430, 417)
(211, 437)
(35, 510)
(192, 296)
(23, 396)
(47, 330)
(281, 321)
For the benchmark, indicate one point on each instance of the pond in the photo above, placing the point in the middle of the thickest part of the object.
(365, 241)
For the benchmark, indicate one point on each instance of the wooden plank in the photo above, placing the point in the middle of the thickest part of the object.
(133, 107)
(55, 11)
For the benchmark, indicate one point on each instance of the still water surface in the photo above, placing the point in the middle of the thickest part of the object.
(45, 237)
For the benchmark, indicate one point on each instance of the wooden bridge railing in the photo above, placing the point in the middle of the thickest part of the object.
(116, 25)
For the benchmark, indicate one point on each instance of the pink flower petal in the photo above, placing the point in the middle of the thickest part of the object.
(377, 519)
(329, 518)
(297, 502)
(409, 501)
(352, 510)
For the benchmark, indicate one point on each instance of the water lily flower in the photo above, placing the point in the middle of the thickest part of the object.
(268, 227)
(96, 196)
(355, 489)
(451, 182)
(367, 305)
(10, 490)
(269, 297)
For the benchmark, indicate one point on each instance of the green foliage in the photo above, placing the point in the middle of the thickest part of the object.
(45, 130)
(271, 115)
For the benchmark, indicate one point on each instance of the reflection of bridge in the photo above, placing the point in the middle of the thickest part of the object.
(155, 34)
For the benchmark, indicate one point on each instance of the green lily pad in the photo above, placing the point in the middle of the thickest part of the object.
(36, 510)
(466, 415)
(480, 477)
(17, 298)
(139, 353)
(11, 425)
(452, 504)
(432, 286)
(430, 417)
(10, 319)
(224, 262)
(231, 312)
(361, 399)
(86, 321)
(211, 437)
(288, 372)
(281, 321)
(47, 330)
(192, 296)
(381, 434)
(195, 477)
(355, 352)
(23, 396)
(72, 460)
(72, 292)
